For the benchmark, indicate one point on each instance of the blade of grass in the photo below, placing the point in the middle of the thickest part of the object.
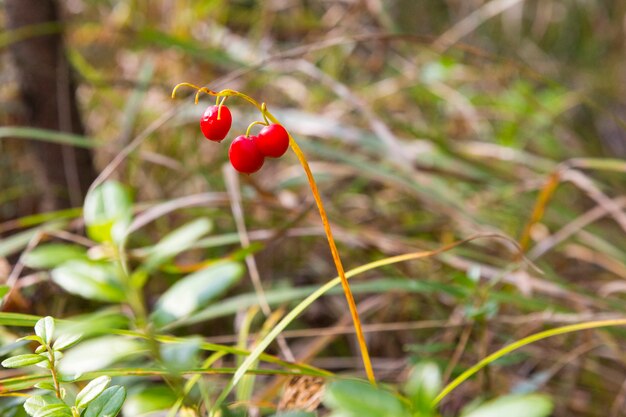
(521, 343)
(48, 136)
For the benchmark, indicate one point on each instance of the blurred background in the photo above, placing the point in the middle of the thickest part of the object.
(424, 122)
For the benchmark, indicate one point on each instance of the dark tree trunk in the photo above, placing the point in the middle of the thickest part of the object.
(48, 92)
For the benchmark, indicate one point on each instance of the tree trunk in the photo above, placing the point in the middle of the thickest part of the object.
(48, 93)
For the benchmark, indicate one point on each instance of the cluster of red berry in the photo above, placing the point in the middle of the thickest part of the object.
(247, 153)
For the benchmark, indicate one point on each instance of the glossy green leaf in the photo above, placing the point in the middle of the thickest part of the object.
(108, 404)
(52, 255)
(66, 340)
(195, 291)
(33, 338)
(22, 360)
(45, 329)
(34, 403)
(45, 385)
(359, 399)
(91, 391)
(89, 279)
(54, 410)
(108, 212)
(176, 242)
(532, 405)
(95, 354)
(152, 398)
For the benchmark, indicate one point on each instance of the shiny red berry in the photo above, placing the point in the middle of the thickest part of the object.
(273, 141)
(245, 156)
(213, 127)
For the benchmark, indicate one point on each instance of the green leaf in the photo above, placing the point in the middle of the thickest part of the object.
(108, 404)
(532, 405)
(66, 340)
(52, 136)
(54, 410)
(22, 360)
(176, 242)
(89, 279)
(45, 385)
(45, 329)
(294, 413)
(197, 290)
(36, 402)
(359, 399)
(18, 319)
(52, 255)
(95, 354)
(107, 212)
(92, 390)
(423, 385)
(32, 337)
(152, 398)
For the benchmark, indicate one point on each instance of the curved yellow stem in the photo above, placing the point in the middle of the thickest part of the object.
(367, 363)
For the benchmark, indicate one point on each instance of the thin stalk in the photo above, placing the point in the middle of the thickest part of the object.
(53, 372)
(367, 363)
(540, 207)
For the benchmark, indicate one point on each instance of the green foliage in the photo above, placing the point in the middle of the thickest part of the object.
(348, 398)
(93, 399)
(355, 398)
(415, 144)
(107, 212)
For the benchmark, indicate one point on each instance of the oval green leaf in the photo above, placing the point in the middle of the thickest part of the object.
(22, 360)
(107, 212)
(44, 328)
(54, 410)
(92, 390)
(33, 404)
(108, 404)
(52, 255)
(91, 280)
(195, 291)
(356, 398)
(176, 242)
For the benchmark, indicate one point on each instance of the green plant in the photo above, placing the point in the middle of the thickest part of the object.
(94, 400)
(349, 398)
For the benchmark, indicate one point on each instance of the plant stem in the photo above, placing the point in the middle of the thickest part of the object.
(53, 372)
(367, 363)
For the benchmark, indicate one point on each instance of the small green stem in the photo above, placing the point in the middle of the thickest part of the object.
(254, 124)
(53, 372)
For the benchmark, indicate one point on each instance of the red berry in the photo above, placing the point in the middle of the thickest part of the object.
(215, 128)
(273, 141)
(245, 156)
